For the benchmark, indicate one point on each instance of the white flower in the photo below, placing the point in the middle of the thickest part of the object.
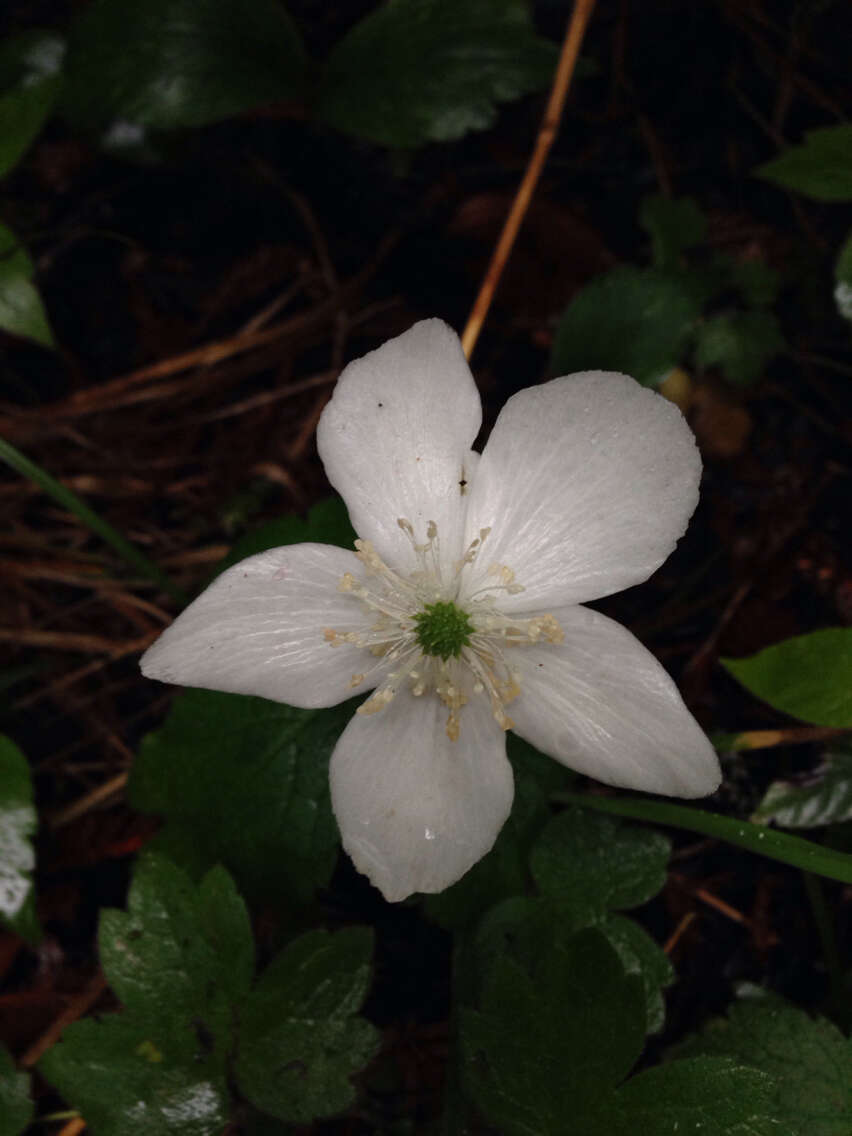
(460, 607)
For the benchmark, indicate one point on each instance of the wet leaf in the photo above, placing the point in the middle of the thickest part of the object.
(129, 1078)
(631, 320)
(417, 71)
(18, 823)
(597, 864)
(21, 310)
(544, 1045)
(808, 676)
(640, 955)
(181, 961)
(825, 798)
(300, 1036)
(243, 782)
(809, 1060)
(821, 167)
(180, 63)
(707, 1094)
(16, 1106)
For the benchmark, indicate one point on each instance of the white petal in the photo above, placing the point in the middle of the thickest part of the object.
(602, 704)
(587, 481)
(259, 629)
(415, 809)
(395, 436)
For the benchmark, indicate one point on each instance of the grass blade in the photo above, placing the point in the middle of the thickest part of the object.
(89, 518)
(753, 837)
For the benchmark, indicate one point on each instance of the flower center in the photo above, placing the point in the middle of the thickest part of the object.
(443, 629)
(423, 640)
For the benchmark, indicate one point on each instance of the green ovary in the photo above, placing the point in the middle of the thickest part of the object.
(443, 629)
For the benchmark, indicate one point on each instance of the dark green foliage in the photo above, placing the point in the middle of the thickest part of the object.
(300, 1038)
(417, 71)
(181, 960)
(808, 676)
(809, 1060)
(820, 167)
(548, 1046)
(244, 782)
(179, 63)
(29, 85)
(739, 343)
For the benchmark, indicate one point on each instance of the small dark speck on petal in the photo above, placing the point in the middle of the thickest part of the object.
(380, 405)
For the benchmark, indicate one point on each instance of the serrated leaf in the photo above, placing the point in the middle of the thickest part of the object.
(741, 344)
(180, 63)
(18, 823)
(640, 955)
(243, 782)
(809, 1060)
(417, 71)
(180, 959)
(821, 167)
(808, 676)
(180, 952)
(129, 1078)
(21, 310)
(30, 83)
(300, 1036)
(595, 863)
(709, 1095)
(542, 1047)
(824, 798)
(673, 224)
(630, 320)
(16, 1106)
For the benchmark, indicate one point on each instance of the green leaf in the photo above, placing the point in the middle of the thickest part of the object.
(417, 71)
(326, 523)
(673, 225)
(821, 167)
(179, 951)
(16, 1106)
(130, 1078)
(630, 320)
(755, 281)
(244, 782)
(741, 344)
(181, 961)
(597, 864)
(30, 81)
(809, 1060)
(300, 1036)
(21, 310)
(180, 63)
(757, 838)
(18, 823)
(825, 798)
(543, 1046)
(808, 676)
(709, 1095)
(640, 955)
